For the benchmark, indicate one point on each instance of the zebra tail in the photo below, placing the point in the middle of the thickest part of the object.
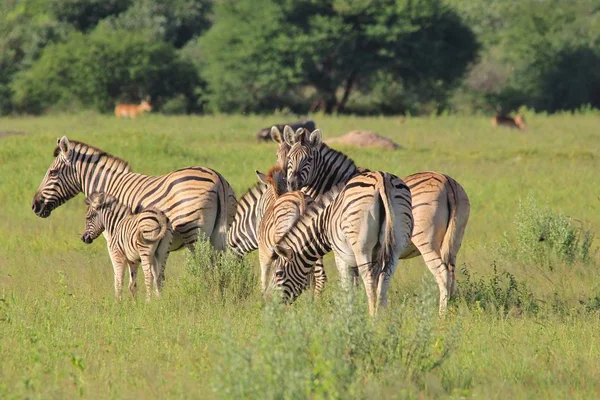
(388, 230)
(159, 226)
(225, 214)
(458, 205)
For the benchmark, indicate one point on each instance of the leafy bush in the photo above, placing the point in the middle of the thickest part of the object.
(102, 68)
(331, 348)
(500, 293)
(543, 236)
(219, 276)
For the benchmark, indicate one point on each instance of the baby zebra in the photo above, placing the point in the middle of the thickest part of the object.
(132, 238)
(279, 217)
(368, 225)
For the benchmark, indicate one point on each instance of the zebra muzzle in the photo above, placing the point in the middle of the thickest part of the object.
(86, 238)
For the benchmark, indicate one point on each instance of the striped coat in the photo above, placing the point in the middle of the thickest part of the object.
(132, 239)
(441, 206)
(193, 199)
(367, 225)
(280, 216)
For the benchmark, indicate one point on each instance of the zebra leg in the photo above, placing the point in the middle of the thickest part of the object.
(161, 254)
(119, 271)
(150, 271)
(366, 269)
(346, 273)
(442, 276)
(383, 282)
(320, 277)
(132, 278)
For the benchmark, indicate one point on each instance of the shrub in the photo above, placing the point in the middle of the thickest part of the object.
(544, 236)
(219, 276)
(501, 293)
(332, 348)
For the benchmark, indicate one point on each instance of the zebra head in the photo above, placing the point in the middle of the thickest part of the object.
(94, 225)
(301, 158)
(59, 183)
(291, 277)
(284, 148)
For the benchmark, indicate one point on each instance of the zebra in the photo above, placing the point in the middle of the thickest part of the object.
(280, 215)
(192, 198)
(367, 225)
(441, 206)
(243, 235)
(131, 238)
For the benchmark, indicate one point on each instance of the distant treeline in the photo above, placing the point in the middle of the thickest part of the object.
(345, 56)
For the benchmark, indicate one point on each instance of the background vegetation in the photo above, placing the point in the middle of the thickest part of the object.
(525, 324)
(366, 56)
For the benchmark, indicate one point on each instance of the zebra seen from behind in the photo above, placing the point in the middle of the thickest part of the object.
(367, 225)
(280, 216)
(440, 204)
(132, 238)
(192, 198)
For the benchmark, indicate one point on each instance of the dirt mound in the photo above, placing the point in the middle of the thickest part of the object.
(365, 139)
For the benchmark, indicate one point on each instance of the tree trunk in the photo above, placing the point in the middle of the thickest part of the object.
(348, 85)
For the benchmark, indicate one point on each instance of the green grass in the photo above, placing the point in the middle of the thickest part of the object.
(525, 325)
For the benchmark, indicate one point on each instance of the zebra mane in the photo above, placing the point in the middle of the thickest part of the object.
(276, 178)
(80, 147)
(314, 209)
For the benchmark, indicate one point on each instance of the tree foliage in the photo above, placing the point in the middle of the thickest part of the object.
(327, 47)
(360, 56)
(100, 69)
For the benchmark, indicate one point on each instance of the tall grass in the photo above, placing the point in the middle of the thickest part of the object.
(525, 324)
(334, 349)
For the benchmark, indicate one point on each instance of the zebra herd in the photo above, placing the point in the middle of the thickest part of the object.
(312, 201)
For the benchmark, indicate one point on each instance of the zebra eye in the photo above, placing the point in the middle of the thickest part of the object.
(53, 172)
(279, 273)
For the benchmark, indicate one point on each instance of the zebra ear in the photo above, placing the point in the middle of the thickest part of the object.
(315, 138)
(276, 135)
(284, 251)
(288, 135)
(262, 178)
(97, 199)
(64, 147)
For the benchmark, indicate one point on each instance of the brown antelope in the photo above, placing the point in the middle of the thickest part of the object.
(508, 122)
(132, 110)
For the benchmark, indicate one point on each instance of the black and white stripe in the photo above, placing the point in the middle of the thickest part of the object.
(441, 206)
(367, 225)
(132, 239)
(192, 198)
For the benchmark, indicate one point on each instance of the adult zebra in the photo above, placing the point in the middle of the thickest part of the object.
(440, 204)
(192, 198)
(367, 226)
(245, 231)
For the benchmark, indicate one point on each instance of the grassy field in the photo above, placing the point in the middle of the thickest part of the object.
(525, 325)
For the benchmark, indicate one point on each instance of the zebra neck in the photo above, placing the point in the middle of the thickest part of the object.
(311, 237)
(113, 215)
(100, 172)
(331, 168)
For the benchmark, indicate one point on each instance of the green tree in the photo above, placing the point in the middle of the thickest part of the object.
(322, 49)
(542, 54)
(26, 27)
(99, 69)
(175, 21)
(84, 15)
